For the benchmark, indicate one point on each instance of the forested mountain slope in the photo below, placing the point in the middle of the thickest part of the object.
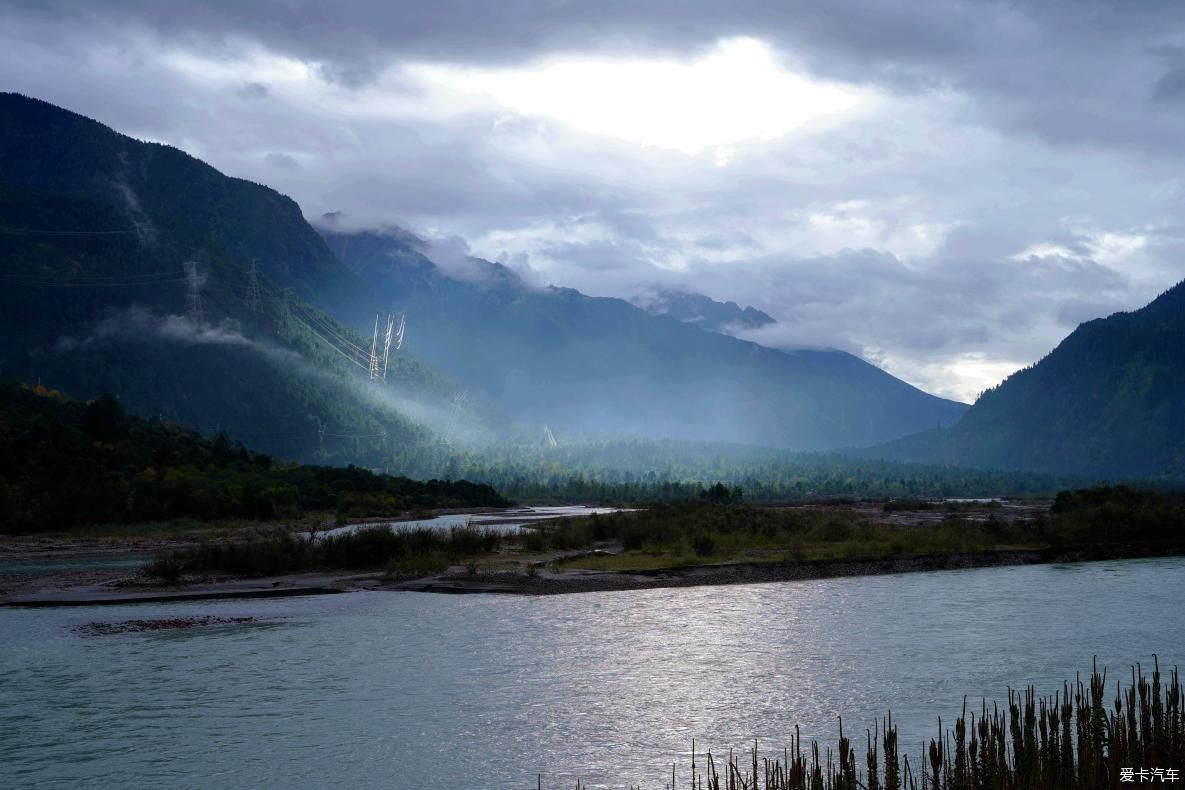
(95, 232)
(1108, 401)
(65, 464)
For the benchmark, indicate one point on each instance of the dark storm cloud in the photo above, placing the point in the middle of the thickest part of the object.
(1011, 180)
(922, 41)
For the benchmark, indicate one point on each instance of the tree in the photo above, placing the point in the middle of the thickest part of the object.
(104, 420)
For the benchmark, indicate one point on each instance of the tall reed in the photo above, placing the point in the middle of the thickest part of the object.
(1070, 740)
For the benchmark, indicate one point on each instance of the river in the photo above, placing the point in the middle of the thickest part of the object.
(423, 691)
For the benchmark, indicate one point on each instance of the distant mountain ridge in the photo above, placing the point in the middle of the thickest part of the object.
(703, 311)
(555, 356)
(1108, 401)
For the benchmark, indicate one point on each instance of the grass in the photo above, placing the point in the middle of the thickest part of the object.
(672, 535)
(400, 552)
(1104, 522)
(1080, 738)
(695, 533)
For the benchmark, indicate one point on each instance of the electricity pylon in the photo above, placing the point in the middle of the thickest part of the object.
(254, 298)
(458, 404)
(374, 352)
(387, 343)
(285, 321)
(193, 296)
(400, 330)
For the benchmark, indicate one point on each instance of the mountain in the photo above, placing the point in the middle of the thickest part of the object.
(172, 199)
(702, 310)
(556, 357)
(134, 268)
(1108, 401)
(95, 232)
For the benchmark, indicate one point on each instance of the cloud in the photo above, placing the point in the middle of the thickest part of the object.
(281, 160)
(138, 324)
(452, 256)
(1013, 173)
(253, 90)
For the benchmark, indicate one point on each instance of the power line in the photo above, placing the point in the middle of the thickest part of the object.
(323, 324)
(48, 232)
(97, 276)
(328, 343)
(349, 348)
(50, 283)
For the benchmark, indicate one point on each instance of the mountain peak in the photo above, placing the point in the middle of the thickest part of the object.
(703, 311)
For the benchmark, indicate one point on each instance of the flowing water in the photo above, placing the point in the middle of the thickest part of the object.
(411, 690)
(510, 520)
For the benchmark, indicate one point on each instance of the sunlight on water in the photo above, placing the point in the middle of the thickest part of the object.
(413, 690)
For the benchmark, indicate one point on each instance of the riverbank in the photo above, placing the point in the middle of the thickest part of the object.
(546, 582)
(120, 588)
(524, 552)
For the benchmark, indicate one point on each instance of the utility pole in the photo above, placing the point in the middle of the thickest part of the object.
(193, 296)
(254, 298)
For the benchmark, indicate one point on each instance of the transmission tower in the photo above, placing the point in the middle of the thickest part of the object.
(399, 332)
(193, 296)
(254, 298)
(551, 442)
(458, 404)
(387, 337)
(374, 352)
(286, 315)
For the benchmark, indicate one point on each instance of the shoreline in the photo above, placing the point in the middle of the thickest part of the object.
(578, 581)
(122, 590)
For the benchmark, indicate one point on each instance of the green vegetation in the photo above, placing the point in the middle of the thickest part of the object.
(1099, 522)
(620, 470)
(65, 464)
(403, 552)
(1108, 401)
(1073, 739)
(667, 535)
(94, 230)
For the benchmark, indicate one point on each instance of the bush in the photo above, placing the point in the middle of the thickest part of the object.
(703, 544)
(166, 567)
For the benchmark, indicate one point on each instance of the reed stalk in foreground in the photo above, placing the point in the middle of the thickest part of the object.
(1072, 739)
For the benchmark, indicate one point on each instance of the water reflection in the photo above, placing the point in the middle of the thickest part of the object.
(409, 690)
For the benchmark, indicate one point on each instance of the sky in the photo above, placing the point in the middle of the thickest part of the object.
(943, 187)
